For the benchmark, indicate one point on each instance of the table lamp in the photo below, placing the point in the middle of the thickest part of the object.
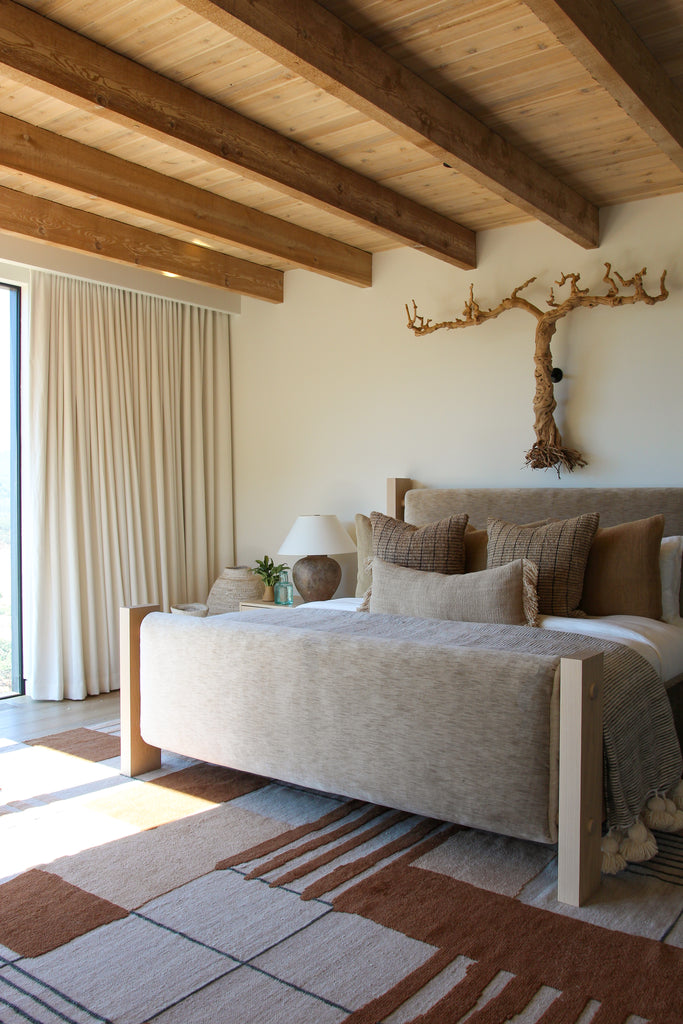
(316, 576)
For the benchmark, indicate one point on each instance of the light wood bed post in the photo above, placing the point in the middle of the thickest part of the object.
(396, 493)
(137, 757)
(580, 799)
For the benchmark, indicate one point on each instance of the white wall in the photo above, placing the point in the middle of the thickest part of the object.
(332, 393)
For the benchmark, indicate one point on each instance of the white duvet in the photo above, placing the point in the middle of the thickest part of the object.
(661, 643)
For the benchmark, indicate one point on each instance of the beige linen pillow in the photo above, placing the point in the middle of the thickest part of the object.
(622, 573)
(504, 595)
(364, 549)
(559, 549)
(436, 547)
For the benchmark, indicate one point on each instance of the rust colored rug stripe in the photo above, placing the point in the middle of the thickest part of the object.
(386, 1004)
(338, 851)
(624, 973)
(462, 998)
(290, 836)
(513, 999)
(346, 872)
(39, 911)
(211, 782)
(88, 744)
(314, 844)
(566, 1009)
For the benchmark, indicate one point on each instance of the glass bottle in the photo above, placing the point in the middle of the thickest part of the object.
(284, 590)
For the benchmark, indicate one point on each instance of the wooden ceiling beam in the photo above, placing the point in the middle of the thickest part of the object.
(46, 221)
(54, 158)
(598, 35)
(112, 86)
(318, 46)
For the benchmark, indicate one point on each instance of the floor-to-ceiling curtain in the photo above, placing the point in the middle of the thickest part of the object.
(128, 496)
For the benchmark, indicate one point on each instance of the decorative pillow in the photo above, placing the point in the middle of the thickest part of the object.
(559, 549)
(364, 549)
(475, 549)
(622, 573)
(504, 595)
(436, 547)
(670, 557)
(476, 543)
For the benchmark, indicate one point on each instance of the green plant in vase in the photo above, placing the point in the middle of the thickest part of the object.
(269, 573)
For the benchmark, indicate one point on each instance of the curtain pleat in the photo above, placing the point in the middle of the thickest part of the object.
(128, 494)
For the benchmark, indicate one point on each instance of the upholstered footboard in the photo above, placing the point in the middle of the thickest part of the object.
(459, 735)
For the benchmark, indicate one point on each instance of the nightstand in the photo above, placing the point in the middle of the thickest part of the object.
(244, 605)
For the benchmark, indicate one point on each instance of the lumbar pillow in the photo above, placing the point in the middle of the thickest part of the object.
(622, 573)
(504, 595)
(436, 547)
(364, 549)
(559, 549)
(670, 558)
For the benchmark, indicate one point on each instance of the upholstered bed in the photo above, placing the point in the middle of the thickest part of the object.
(436, 694)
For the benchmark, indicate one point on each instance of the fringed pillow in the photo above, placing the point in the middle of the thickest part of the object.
(504, 595)
(364, 549)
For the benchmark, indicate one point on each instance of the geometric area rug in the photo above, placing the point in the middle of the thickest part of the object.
(201, 895)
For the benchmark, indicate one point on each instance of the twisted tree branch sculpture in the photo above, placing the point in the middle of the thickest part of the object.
(548, 449)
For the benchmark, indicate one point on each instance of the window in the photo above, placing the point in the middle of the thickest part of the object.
(11, 674)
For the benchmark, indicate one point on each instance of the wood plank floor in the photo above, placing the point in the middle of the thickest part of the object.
(22, 718)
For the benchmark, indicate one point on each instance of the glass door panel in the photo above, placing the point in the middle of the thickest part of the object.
(11, 674)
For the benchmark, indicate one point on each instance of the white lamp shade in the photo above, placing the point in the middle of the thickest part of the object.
(317, 535)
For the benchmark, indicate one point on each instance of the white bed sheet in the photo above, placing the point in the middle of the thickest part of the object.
(661, 643)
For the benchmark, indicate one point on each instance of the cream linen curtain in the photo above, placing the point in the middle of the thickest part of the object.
(128, 471)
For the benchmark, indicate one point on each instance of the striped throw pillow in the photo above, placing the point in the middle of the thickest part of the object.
(437, 547)
(559, 548)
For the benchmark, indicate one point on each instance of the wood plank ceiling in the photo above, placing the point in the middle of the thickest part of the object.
(228, 141)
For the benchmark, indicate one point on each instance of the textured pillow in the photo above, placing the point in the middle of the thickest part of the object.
(559, 549)
(670, 557)
(436, 547)
(504, 595)
(622, 573)
(476, 543)
(364, 549)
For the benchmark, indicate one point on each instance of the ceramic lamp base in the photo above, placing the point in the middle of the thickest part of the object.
(316, 577)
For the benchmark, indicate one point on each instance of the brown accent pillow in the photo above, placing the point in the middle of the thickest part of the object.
(559, 549)
(622, 574)
(503, 595)
(475, 549)
(364, 549)
(436, 547)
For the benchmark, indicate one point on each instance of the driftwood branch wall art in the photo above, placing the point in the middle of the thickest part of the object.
(548, 449)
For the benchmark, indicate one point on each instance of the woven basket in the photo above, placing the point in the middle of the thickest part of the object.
(236, 583)
(199, 610)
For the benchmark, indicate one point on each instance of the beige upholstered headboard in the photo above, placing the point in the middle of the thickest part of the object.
(420, 505)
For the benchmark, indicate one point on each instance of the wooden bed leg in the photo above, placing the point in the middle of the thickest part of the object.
(580, 803)
(396, 493)
(137, 757)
